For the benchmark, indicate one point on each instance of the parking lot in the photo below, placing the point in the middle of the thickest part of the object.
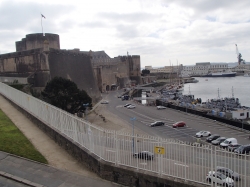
(187, 133)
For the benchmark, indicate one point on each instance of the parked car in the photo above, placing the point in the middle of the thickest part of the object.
(131, 106)
(219, 178)
(228, 172)
(144, 155)
(104, 102)
(244, 149)
(227, 142)
(179, 124)
(212, 137)
(157, 123)
(126, 105)
(125, 97)
(232, 147)
(119, 96)
(161, 107)
(218, 140)
(202, 133)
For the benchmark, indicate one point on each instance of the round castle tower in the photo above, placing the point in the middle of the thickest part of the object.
(34, 41)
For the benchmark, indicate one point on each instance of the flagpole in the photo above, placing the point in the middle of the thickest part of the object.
(42, 23)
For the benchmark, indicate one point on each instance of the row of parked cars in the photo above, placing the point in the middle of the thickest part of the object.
(230, 144)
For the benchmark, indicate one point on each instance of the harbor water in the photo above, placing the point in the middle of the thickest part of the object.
(220, 87)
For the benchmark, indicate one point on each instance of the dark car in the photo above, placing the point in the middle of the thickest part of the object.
(157, 123)
(212, 137)
(218, 140)
(179, 124)
(232, 147)
(228, 172)
(243, 149)
(144, 155)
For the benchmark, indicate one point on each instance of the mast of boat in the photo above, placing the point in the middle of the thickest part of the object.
(189, 92)
(218, 93)
(232, 92)
(170, 73)
(178, 73)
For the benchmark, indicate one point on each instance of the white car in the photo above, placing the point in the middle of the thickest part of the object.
(131, 106)
(127, 105)
(161, 107)
(202, 133)
(219, 178)
(104, 102)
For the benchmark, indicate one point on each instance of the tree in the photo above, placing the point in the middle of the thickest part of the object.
(64, 94)
(145, 72)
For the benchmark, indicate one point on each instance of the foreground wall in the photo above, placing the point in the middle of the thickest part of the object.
(115, 173)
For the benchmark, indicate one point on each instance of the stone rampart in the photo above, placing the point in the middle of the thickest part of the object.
(108, 171)
(77, 67)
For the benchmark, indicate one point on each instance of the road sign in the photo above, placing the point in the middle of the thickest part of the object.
(159, 150)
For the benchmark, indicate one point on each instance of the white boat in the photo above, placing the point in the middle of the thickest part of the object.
(246, 75)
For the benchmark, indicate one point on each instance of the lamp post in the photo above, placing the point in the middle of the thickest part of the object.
(133, 140)
(86, 105)
(242, 124)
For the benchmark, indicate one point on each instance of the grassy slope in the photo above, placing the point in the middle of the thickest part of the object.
(13, 141)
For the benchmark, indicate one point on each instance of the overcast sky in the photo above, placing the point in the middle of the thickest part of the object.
(162, 32)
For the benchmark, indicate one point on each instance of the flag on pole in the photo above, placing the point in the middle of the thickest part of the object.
(43, 16)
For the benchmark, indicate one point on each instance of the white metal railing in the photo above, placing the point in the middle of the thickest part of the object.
(190, 163)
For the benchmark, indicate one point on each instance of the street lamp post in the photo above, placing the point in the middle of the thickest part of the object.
(133, 140)
(86, 105)
(242, 124)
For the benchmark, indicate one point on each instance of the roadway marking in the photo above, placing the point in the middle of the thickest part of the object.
(238, 133)
(181, 165)
(242, 135)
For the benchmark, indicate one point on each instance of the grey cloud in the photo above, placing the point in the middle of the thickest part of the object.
(132, 17)
(95, 24)
(24, 13)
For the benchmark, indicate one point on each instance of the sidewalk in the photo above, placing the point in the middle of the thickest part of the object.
(62, 163)
(34, 174)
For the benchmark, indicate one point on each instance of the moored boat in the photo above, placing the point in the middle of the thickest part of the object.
(220, 74)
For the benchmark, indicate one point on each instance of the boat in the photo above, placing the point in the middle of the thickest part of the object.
(246, 75)
(193, 80)
(220, 74)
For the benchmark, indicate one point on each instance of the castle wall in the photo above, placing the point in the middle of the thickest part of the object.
(77, 67)
(34, 41)
(24, 64)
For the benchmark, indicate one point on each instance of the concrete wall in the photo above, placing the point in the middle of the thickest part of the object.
(115, 173)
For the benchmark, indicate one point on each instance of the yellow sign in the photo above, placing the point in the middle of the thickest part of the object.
(159, 150)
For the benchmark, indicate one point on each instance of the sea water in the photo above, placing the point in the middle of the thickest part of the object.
(220, 87)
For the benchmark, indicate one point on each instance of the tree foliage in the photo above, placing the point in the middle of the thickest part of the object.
(64, 94)
(145, 72)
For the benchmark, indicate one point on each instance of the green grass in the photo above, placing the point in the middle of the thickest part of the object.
(13, 141)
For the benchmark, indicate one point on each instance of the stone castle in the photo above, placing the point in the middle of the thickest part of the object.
(38, 59)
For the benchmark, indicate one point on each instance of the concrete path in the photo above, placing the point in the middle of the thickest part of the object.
(64, 167)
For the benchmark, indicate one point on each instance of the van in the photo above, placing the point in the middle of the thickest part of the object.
(227, 142)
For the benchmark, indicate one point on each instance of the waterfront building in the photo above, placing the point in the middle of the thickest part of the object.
(203, 68)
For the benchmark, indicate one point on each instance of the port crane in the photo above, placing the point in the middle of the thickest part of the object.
(239, 56)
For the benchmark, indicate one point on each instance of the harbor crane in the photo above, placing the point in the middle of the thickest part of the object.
(239, 56)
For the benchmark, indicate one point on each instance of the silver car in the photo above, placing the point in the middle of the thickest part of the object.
(228, 172)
